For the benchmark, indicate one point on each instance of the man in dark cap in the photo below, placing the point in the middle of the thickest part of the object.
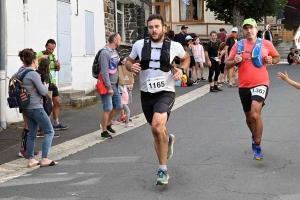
(181, 36)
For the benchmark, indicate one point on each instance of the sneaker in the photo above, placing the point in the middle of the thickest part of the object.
(129, 124)
(109, 128)
(23, 153)
(100, 126)
(115, 122)
(203, 79)
(195, 82)
(257, 153)
(217, 88)
(253, 143)
(212, 89)
(123, 119)
(162, 177)
(105, 134)
(198, 80)
(170, 145)
(60, 127)
(56, 135)
(40, 134)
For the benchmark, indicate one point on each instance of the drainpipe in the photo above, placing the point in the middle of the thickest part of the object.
(25, 13)
(3, 101)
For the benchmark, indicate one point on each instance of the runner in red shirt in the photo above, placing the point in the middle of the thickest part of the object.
(254, 82)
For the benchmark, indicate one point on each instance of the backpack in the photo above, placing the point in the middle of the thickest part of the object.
(256, 56)
(47, 104)
(96, 66)
(18, 95)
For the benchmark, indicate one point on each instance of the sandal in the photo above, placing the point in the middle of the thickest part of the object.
(34, 164)
(232, 86)
(50, 164)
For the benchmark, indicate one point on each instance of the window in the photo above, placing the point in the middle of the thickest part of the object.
(191, 10)
(163, 8)
(120, 19)
(89, 33)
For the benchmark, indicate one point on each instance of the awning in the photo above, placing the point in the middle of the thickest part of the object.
(294, 3)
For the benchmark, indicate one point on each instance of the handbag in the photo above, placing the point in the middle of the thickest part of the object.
(101, 87)
(125, 76)
(47, 104)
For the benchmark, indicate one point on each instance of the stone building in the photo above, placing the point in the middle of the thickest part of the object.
(128, 18)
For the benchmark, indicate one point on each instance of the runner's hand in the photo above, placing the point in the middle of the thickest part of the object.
(177, 74)
(283, 76)
(135, 68)
(268, 60)
(110, 92)
(238, 58)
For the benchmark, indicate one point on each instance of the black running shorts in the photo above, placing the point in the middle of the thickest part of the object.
(161, 102)
(247, 95)
(54, 90)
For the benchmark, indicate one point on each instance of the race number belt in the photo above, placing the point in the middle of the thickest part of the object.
(156, 84)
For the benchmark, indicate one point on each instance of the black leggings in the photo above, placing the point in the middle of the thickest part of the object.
(215, 68)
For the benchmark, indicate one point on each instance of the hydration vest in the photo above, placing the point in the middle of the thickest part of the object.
(256, 56)
(164, 60)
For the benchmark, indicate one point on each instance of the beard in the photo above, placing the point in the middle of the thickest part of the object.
(159, 37)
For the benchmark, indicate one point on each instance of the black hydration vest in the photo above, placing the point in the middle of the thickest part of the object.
(164, 60)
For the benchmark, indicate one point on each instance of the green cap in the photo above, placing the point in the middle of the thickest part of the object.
(249, 21)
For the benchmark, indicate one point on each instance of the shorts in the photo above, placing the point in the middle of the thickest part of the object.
(54, 90)
(161, 102)
(257, 93)
(192, 61)
(198, 60)
(109, 102)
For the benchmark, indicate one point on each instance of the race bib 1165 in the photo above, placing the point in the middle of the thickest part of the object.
(156, 84)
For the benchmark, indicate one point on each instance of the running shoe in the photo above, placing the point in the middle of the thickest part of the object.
(58, 127)
(105, 134)
(40, 134)
(56, 135)
(195, 82)
(110, 129)
(129, 124)
(217, 88)
(123, 119)
(253, 143)
(170, 145)
(162, 177)
(115, 122)
(257, 153)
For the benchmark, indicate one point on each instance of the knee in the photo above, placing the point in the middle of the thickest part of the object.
(157, 129)
(255, 116)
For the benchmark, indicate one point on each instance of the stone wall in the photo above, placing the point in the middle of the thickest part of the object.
(109, 17)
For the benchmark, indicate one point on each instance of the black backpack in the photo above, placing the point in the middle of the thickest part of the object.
(96, 66)
(18, 95)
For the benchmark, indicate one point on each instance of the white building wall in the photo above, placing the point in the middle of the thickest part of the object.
(81, 63)
(42, 25)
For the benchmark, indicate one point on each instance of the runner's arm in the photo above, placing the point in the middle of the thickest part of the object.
(129, 63)
(286, 78)
(185, 61)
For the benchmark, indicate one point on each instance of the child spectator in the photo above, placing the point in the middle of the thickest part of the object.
(126, 93)
(291, 56)
(189, 48)
(296, 57)
(221, 62)
(199, 59)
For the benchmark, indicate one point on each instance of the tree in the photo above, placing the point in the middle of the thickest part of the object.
(235, 11)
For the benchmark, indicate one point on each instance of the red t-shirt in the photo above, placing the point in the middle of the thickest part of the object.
(249, 75)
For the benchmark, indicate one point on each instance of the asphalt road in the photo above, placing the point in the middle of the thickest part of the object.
(212, 158)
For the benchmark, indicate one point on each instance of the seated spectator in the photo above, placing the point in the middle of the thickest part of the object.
(290, 56)
(296, 57)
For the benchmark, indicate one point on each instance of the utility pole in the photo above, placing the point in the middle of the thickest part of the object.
(3, 102)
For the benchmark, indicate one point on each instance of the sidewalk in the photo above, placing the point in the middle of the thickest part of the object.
(80, 121)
